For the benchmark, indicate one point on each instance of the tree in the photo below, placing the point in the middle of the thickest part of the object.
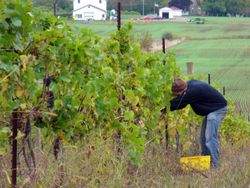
(234, 7)
(246, 8)
(65, 6)
(195, 8)
(164, 2)
(136, 5)
(223, 7)
(182, 4)
(214, 7)
(112, 4)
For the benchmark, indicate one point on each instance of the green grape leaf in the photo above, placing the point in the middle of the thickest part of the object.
(129, 115)
(16, 22)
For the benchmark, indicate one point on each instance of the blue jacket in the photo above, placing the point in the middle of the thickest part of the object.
(202, 97)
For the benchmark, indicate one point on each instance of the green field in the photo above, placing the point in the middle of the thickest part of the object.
(215, 27)
(220, 47)
(228, 61)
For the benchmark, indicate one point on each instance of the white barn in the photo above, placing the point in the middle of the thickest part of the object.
(89, 9)
(170, 12)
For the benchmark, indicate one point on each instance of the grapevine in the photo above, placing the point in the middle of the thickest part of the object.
(72, 83)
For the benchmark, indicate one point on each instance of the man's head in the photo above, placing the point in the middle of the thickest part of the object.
(179, 86)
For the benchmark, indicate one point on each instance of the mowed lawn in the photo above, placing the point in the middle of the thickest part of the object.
(220, 47)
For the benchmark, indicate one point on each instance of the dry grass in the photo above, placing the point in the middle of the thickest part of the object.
(146, 41)
(94, 163)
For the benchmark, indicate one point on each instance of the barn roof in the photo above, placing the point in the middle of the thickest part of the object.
(171, 9)
(166, 8)
(175, 8)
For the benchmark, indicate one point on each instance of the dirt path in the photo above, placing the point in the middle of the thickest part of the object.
(157, 44)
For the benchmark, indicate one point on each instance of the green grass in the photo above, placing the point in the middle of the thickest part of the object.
(220, 47)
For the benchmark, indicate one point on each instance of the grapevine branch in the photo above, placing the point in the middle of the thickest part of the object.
(7, 76)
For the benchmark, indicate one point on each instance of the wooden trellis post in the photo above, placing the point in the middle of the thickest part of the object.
(119, 15)
(163, 45)
(209, 79)
(190, 68)
(14, 123)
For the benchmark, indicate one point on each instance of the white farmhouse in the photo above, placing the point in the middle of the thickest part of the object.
(89, 9)
(170, 12)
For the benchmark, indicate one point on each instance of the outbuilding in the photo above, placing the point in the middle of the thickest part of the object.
(170, 12)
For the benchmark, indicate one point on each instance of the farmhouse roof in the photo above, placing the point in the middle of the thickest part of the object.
(89, 5)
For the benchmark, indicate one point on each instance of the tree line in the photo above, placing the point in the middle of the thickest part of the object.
(57, 6)
(207, 7)
(226, 7)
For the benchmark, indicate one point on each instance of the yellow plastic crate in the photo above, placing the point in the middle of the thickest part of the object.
(199, 163)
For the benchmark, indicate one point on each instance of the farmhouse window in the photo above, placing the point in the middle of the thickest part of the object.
(79, 15)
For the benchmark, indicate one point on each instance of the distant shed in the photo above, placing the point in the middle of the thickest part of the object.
(170, 12)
